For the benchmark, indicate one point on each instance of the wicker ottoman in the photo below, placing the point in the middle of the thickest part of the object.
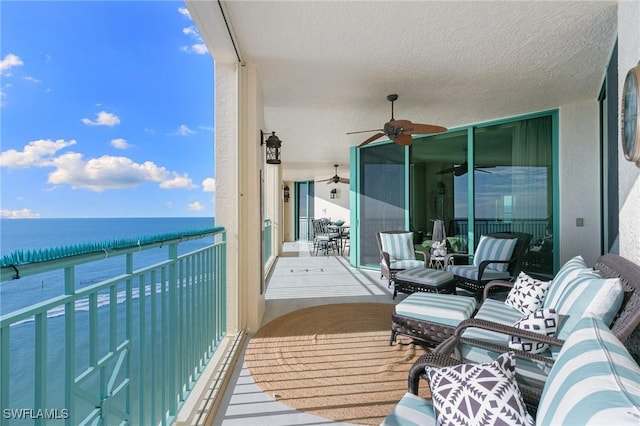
(425, 280)
(430, 317)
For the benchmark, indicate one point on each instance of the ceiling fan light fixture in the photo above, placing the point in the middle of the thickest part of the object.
(400, 131)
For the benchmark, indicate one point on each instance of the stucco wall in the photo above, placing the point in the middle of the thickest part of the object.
(226, 153)
(579, 167)
(629, 173)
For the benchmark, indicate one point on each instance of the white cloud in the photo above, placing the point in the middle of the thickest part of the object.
(169, 204)
(96, 174)
(120, 143)
(196, 206)
(103, 119)
(183, 130)
(109, 172)
(184, 12)
(32, 79)
(35, 154)
(209, 185)
(178, 181)
(192, 31)
(9, 61)
(198, 49)
(18, 214)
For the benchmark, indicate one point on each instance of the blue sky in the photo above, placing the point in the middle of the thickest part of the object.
(107, 111)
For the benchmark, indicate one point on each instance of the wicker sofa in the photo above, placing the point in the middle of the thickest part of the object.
(491, 324)
(594, 380)
(565, 392)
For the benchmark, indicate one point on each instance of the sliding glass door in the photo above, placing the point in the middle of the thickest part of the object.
(485, 179)
(513, 185)
(382, 198)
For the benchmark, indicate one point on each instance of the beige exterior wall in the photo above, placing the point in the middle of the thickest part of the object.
(239, 159)
(579, 178)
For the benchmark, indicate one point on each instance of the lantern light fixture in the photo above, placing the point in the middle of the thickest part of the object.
(285, 193)
(273, 147)
(333, 193)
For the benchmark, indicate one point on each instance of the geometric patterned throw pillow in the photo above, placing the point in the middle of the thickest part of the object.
(544, 321)
(527, 294)
(478, 394)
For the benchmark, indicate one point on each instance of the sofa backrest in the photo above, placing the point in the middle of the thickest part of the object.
(594, 380)
(626, 325)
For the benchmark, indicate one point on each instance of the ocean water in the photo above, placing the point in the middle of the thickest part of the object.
(38, 234)
(34, 234)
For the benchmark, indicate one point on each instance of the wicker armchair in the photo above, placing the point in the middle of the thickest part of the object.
(397, 253)
(486, 268)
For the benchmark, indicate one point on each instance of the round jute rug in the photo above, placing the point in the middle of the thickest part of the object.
(334, 361)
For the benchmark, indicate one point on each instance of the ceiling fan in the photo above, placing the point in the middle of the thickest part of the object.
(335, 178)
(461, 169)
(400, 131)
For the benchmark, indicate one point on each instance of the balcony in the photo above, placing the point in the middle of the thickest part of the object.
(125, 349)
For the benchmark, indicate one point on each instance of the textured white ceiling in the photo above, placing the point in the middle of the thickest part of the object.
(326, 67)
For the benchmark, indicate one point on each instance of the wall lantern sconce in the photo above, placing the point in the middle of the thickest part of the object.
(333, 193)
(273, 147)
(285, 193)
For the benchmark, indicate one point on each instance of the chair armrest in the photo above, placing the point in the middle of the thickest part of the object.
(449, 256)
(485, 263)
(386, 259)
(495, 284)
(505, 329)
(426, 255)
(429, 360)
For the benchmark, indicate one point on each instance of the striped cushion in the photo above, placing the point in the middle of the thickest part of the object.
(412, 410)
(447, 309)
(586, 294)
(527, 371)
(567, 273)
(427, 276)
(494, 249)
(406, 264)
(399, 246)
(593, 381)
(471, 272)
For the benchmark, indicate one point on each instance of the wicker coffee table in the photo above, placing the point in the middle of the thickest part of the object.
(424, 280)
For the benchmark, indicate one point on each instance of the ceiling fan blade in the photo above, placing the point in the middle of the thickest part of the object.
(423, 129)
(364, 131)
(325, 180)
(344, 180)
(403, 139)
(371, 139)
